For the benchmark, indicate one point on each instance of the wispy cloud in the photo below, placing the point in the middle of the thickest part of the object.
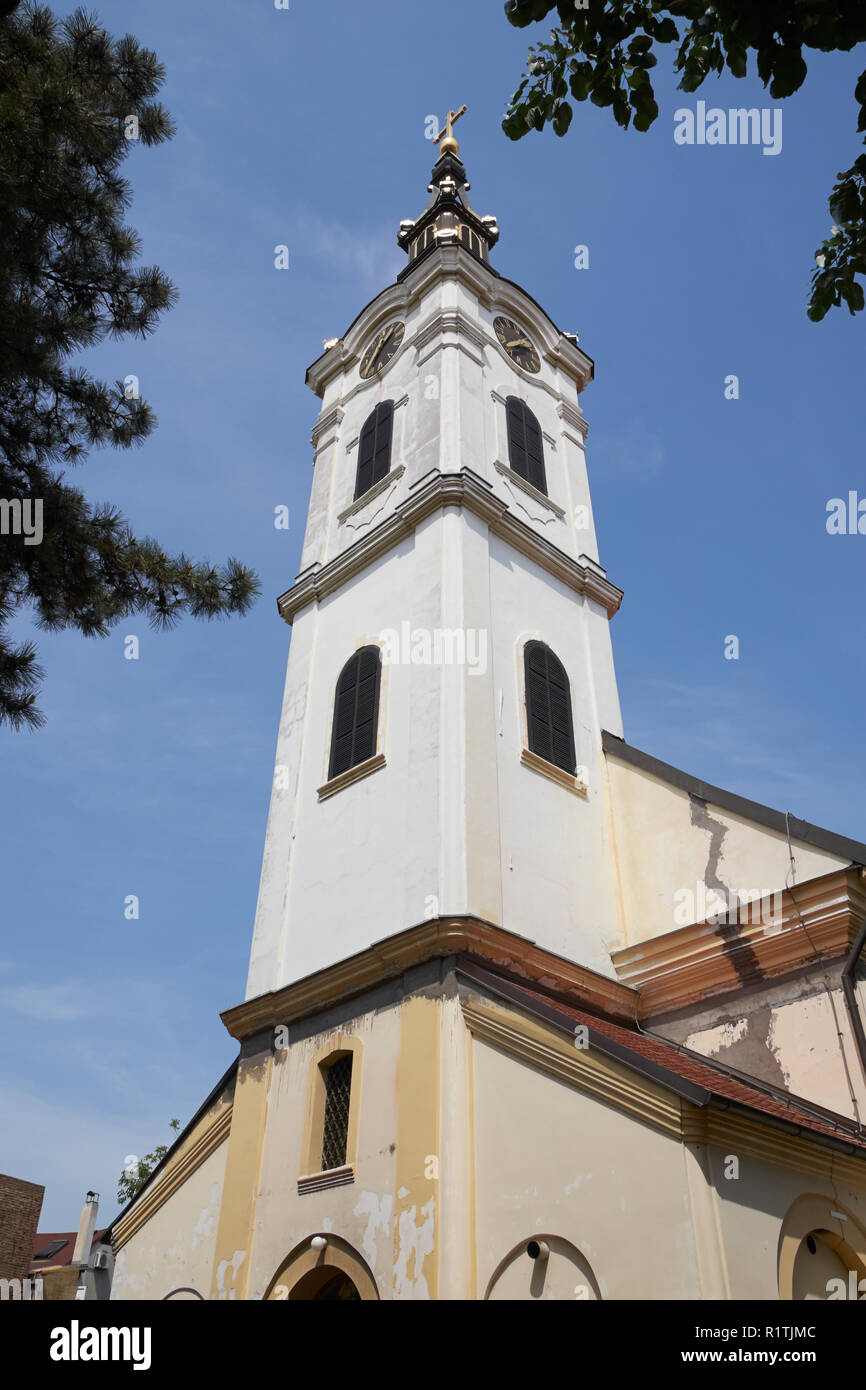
(370, 255)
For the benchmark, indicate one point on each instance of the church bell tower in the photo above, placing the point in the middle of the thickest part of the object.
(478, 1059)
(450, 670)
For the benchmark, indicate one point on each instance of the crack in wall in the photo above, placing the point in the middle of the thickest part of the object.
(742, 959)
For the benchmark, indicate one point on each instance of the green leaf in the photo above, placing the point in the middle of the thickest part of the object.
(562, 118)
(580, 81)
(789, 72)
(737, 60)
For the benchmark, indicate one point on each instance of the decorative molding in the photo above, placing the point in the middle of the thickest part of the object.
(443, 936)
(331, 420)
(435, 492)
(331, 1177)
(554, 773)
(572, 417)
(535, 493)
(449, 321)
(375, 491)
(711, 958)
(597, 1076)
(352, 774)
(728, 1125)
(208, 1141)
(491, 290)
(759, 1136)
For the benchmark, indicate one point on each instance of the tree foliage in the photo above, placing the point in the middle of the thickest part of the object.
(70, 98)
(133, 1178)
(604, 51)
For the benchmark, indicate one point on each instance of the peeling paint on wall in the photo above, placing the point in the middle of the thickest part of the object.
(415, 1242)
(234, 1264)
(379, 1212)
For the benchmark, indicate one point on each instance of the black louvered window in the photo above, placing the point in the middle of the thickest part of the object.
(525, 451)
(356, 711)
(548, 707)
(338, 1094)
(374, 448)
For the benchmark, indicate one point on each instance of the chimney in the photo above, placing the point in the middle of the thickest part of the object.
(86, 1227)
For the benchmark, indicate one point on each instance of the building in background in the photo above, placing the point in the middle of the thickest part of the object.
(20, 1205)
(530, 1013)
(74, 1265)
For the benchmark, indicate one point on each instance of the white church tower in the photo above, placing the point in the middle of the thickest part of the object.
(530, 1013)
(450, 540)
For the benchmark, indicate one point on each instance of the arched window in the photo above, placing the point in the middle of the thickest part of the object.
(525, 451)
(356, 711)
(548, 707)
(374, 448)
(338, 1094)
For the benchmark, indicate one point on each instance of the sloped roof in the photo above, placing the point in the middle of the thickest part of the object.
(802, 830)
(671, 1065)
(62, 1256)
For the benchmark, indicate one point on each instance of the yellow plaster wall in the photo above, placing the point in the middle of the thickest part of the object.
(659, 851)
(551, 1159)
(388, 1213)
(175, 1248)
(752, 1207)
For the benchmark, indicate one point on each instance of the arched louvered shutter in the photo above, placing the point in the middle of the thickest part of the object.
(525, 449)
(356, 711)
(374, 448)
(548, 707)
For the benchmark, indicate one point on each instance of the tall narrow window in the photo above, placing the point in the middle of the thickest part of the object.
(338, 1093)
(356, 711)
(525, 450)
(548, 707)
(374, 448)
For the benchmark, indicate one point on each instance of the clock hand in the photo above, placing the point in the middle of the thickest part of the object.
(519, 342)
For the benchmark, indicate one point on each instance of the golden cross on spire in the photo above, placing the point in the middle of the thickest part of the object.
(448, 144)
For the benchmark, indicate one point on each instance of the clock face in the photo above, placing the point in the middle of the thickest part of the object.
(517, 344)
(382, 349)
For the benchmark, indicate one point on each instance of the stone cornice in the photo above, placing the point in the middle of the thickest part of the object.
(713, 1120)
(443, 936)
(434, 493)
(573, 418)
(708, 959)
(488, 287)
(330, 421)
(548, 1051)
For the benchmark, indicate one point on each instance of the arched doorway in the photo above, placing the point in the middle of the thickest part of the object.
(327, 1284)
(331, 1270)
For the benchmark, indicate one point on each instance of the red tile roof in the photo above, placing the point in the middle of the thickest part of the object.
(715, 1077)
(64, 1256)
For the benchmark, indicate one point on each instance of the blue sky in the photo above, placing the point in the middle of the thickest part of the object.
(152, 777)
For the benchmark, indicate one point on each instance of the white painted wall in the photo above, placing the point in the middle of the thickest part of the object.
(453, 823)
